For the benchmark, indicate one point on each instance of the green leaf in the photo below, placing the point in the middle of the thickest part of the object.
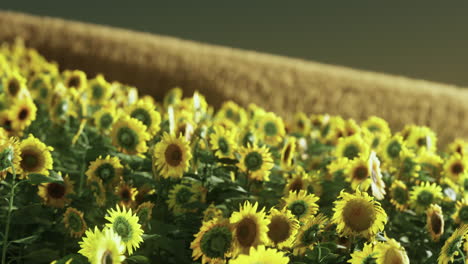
(26, 240)
(36, 178)
(138, 259)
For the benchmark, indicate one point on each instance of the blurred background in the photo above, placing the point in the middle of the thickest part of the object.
(419, 39)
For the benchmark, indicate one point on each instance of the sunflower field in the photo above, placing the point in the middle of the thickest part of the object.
(92, 172)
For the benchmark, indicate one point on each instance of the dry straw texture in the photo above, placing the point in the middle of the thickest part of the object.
(155, 64)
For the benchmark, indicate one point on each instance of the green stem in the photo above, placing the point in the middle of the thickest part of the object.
(10, 209)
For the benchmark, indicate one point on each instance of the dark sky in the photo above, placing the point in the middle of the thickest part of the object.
(421, 39)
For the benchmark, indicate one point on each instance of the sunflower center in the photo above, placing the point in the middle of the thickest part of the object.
(425, 198)
(142, 115)
(296, 185)
(457, 168)
(310, 235)
(106, 120)
(23, 114)
(74, 81)
(270, 129)
(173, 155)
(298, 208)
(13, 87)
(287, 153)
(55, 190)
(123, 228)
(463, 214)
(107, 257)
(216, 242)
(421, 141)
(183, 196)
(360, 173)
(127, 138)
(436, 223)
(223, 145)
(400, 195)
(97, 91)
(246, 232)
(278, 229)
(351, 151)
(248, 139)
(106, 172)
(393, 149)
(253, 161)
(358, 215)
(74, 221)
(7, 125)
(369, 260)
(125, 195)
(30, 160)
(394, 256)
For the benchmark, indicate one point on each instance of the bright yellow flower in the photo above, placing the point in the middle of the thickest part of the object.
(452, 245)
(182, 195)
(301, 204)
(147, 114)
(282, 229)
(351, 147)
(75, 79)
(461, 213)
(271, 129)
(358, 215)
(74, 222)
(250, 227)
(309, 234)
(55, 193)
(358, 173)
(23, 113)
(125, 224)
(288, 152)
(376, 125)
(421, 137)
(391, 252)
(223, 142)
(261, 255)
(108, 169)
(171, 156)
(459, 146)
(99, 90)
(126, 194)
(435, 221)
(455, 166)
(301, 123)
(364, 256)
(102, 247)
(390, 150)
(35, 157)
(129, 135)
(399, 195)
(105, 117)
(214, 242)
(256, 162)
(422, 196)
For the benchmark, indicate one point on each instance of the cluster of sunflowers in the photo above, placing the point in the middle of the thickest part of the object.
(93, 172)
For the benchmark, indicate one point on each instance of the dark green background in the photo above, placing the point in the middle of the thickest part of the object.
(421, 39)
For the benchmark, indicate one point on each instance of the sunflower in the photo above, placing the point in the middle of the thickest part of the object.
(108, 169)
(99, 90)
(105, 117)
(144, 212)
(129, 135)
(459, 146)
(422, 137)
(408, 166)
(422, 196)
(6, 123)
(391, 149)
(364, 256)
(55, 193)
(223, 142)
(10, 157)
(212, 212)
(35, 156)
(171, 156)
(299, 180)
(233, 112)
(271, 129)
(262, 255)
(351, 147)
(102, 247)
(351, 128)
(358, 173)
(376, 125)
(282, 229)
(399, 195)
(455, 166)
(126, 225)
(182, 195)
(453, 245)
(75, 79)
(250, 227)
(247, 137)
(461, 213)
(287, 154)
(431, 163)
(97, 189)
(147, 114)
(435, 221)
(172, 97)
(391, 252)
(23, 113)
(309, 234)
(256, 162)
(14, 84)
(358, 215)
(214, 242)
(126, 194)
(301, 123)
(74, 222)
(301, 204)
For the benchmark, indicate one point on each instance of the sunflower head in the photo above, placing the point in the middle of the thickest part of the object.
(126, 194)
(282, 229)
(212, 212)
(23, 113)
(129, 135)
(223, 142)
(55, 193)
(461, 213)
(105, 117)
(399, 195)
(271, 129)
(391, 252)
(35, 156)
(309, 234)
(75, 79)
(256, 162)
(144, 212)
(287, 154)
(214, 241)
(261, 254)
(74, 222)
(358, 215)
(171, 156)
(146, 113)
(422, 196)
(104, 246)
(250, 227)
(14, 84)
(301, 204)
(453, 244)
(108, 169)
(125, 224)
(455, 167)
(351, 147)
(301, 123)
(99, 90)
(182, 195)
(365, 256)
(435, 221)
